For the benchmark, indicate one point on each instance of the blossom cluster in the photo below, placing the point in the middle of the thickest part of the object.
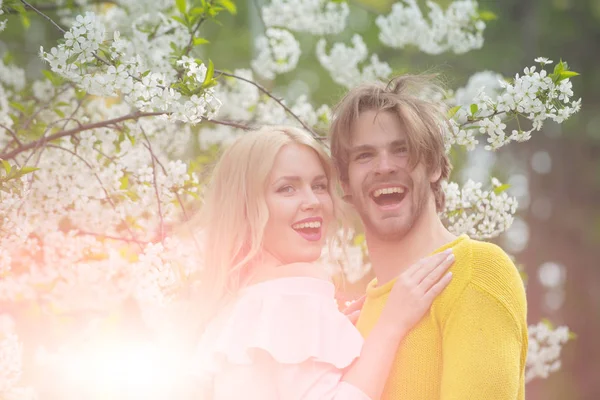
(319, 17)
(77, 59)
(482, 214)
(545, 345)
(459, 29)
(346, 253)
(343, 61)
(278, 53)
(2, 21)
(534, 96)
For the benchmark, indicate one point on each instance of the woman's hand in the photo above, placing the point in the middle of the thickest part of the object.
(353, 309)
(415, 289)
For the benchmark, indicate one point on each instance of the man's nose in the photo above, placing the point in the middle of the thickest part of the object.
(385, 164)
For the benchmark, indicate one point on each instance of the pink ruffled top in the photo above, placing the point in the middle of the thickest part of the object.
(281, 339)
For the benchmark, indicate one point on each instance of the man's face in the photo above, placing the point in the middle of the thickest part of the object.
(388, 195)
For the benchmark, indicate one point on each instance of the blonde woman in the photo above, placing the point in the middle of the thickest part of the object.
(277, 333)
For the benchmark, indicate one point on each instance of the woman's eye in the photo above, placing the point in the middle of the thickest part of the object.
(402, 149)
(285, 189)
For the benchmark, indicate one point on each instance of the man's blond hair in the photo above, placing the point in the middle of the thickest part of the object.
(424, 122)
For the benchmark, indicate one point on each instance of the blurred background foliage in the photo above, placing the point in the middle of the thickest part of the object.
(555, 176)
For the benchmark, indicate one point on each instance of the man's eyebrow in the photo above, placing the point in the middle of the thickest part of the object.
(362, 147)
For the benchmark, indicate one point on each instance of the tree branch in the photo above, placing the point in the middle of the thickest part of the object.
(12, 133)
(265, 91)
(153, 156)
(107, 196)
(74, 131)
(103, 236)
(231, 123)
(44, 15)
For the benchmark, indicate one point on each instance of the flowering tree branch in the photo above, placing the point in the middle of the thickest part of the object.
(278, 101)
(43, 15)
(74, 131)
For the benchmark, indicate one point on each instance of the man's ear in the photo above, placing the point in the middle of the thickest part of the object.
(435, 175)
(347, 197)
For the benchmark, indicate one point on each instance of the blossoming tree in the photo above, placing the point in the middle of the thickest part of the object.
(108, 150)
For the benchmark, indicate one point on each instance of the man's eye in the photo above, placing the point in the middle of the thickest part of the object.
(362, 156)
(320, 187)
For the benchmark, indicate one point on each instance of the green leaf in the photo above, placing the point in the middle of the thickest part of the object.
(7, 166)
(487, 16)
(26, 170)
(73, 58)
(59, 112)
(453, 111)
(453, 213)
(181, 6)
(501, 188)
(474, 109)
(180, 20)
(197, 11)
(25, 21)
(558, 68)
(210, 72)
(198, 41)
(567, 74)
(17, 106)
(547, 322)
(229, 6)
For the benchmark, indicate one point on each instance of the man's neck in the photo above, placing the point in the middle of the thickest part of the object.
(389, 258)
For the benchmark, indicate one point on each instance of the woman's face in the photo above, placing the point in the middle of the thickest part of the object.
(300, 206)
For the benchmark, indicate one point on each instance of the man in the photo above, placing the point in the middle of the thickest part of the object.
(388, 147)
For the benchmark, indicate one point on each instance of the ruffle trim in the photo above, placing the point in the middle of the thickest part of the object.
(291, 327)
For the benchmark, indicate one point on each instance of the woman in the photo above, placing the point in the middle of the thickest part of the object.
(277, 333)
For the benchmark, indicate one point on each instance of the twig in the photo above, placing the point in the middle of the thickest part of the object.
(44, 15)
(153, 156)
(74, 131)
(231, 123)
(265, 91)
(12, 133)
(122, 239)
(103, 189)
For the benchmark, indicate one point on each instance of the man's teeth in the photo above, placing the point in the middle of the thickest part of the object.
(379, 192)
(302, 225)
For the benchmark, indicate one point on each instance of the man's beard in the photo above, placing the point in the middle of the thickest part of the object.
(398, 230)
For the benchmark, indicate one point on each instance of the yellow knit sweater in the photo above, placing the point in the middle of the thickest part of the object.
(473, 342)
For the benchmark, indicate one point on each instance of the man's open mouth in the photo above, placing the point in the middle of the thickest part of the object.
(388, 196)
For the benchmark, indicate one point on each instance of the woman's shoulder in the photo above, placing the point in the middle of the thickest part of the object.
(291, 318)
(296, 270)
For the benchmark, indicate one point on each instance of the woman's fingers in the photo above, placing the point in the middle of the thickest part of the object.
(436, 273)
(356, 305)
(437, 288)
(429, 264)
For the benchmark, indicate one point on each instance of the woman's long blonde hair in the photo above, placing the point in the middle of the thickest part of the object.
(234, 214)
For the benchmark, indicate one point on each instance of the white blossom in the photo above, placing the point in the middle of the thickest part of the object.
(2, 21)
(319, 17)
(459, 29)
(545, 345)
(482, 214)
(278, 53)
(343, 63)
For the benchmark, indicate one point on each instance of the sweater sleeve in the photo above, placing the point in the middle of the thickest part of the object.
(481, 349)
